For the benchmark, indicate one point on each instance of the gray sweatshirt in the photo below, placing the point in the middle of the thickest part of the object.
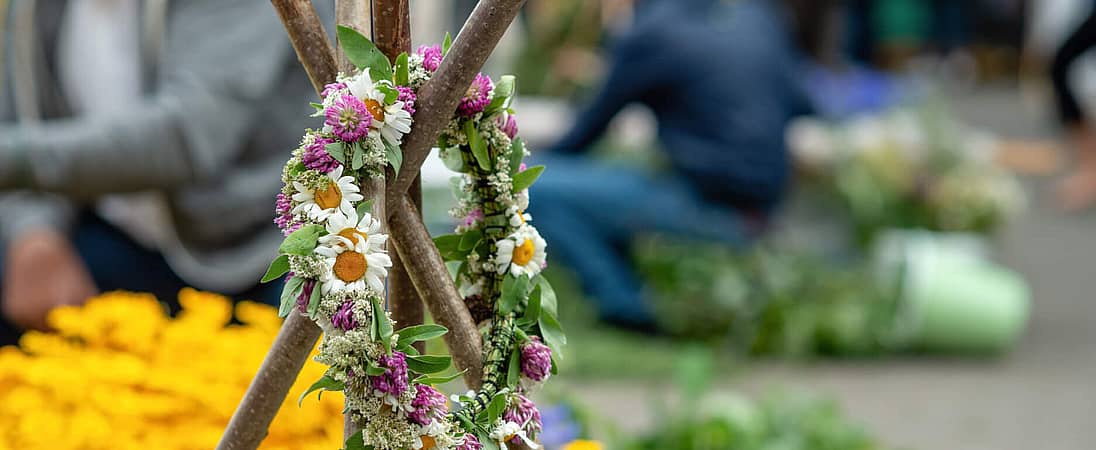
(196, 159)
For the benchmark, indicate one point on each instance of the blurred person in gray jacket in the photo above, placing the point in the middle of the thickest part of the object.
(141, 145)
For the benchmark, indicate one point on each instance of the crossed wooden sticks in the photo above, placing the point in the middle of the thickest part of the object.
(422, 263)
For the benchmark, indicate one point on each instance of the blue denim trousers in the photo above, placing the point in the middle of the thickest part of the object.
(591, 212)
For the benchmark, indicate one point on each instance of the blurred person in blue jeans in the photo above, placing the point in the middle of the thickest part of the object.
(722, 81)
(141, 145)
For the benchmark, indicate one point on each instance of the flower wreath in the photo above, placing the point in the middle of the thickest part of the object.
(335, 262)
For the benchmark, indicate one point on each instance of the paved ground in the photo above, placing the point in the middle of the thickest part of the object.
(1041, 396)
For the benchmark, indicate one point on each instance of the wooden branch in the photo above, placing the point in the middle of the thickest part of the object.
(309, 39)
(404, 300)
(438, 99)
(356, 14)
(392, 35)
(268, 389)
(392, 27)
(431, 279)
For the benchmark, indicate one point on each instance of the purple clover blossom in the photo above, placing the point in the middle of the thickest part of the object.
(408, 97)
(283, 218)
(470, 442)
(349, 119)
(524, 412)
(394, 379)
(315, 156)
(536, 360)
(473, 216)
(522, 167)
(332, 87)
(431, 56)
(306, 294)
(476, 97)
(509, 125)
(428, 405)
(343, 319)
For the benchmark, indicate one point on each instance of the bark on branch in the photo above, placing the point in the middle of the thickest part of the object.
(309, 39)
(268, 389)
(392, 35)
(431, 278)
(356, 14)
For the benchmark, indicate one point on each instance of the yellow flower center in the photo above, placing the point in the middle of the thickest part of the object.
(354, 235)
(375, 109)
(523, 253)
(350, 266)
(328, 197)
(427, 442)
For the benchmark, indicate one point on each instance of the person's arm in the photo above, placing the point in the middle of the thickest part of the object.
(634, 70)
(220, 59)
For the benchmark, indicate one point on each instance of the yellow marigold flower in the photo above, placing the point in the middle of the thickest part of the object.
(120, 374)
(582, 445)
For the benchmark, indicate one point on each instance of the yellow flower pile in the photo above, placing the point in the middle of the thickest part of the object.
(120, 374)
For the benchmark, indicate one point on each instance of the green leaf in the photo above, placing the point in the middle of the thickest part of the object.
(525, 178)
(318, 106)
(513, 292)
(325, 383)
(453, 159)
(365, 207)
(337, 150)
(394, 155)
(479, 148)
(358, 160)
(416, 333)
(278, 267)
(375, 371)
(402, 75)
(384, 326)
(487, 443)
(356, 442)
(302, 241)
(363, 54)
(432, 380)
(448, 243)
(428, 364)
(517, 153)
(552, 333)
(513, 375)
(532, 310)
(470, 239)
(547, 296)
(390, 93)
(290, 292)
(495, 409)
(503, 94)
(314, 299)
(446, 43)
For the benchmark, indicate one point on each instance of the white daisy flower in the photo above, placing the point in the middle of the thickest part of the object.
(323, 202)
(353, 269)
(507, 431)
(348, 231)
(517, 216)
(521, 253)
(435, 436)
(392, 121)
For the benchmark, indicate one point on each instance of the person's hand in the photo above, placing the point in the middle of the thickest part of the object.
(42, 271)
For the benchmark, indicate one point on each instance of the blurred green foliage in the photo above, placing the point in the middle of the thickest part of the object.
(764, 302)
